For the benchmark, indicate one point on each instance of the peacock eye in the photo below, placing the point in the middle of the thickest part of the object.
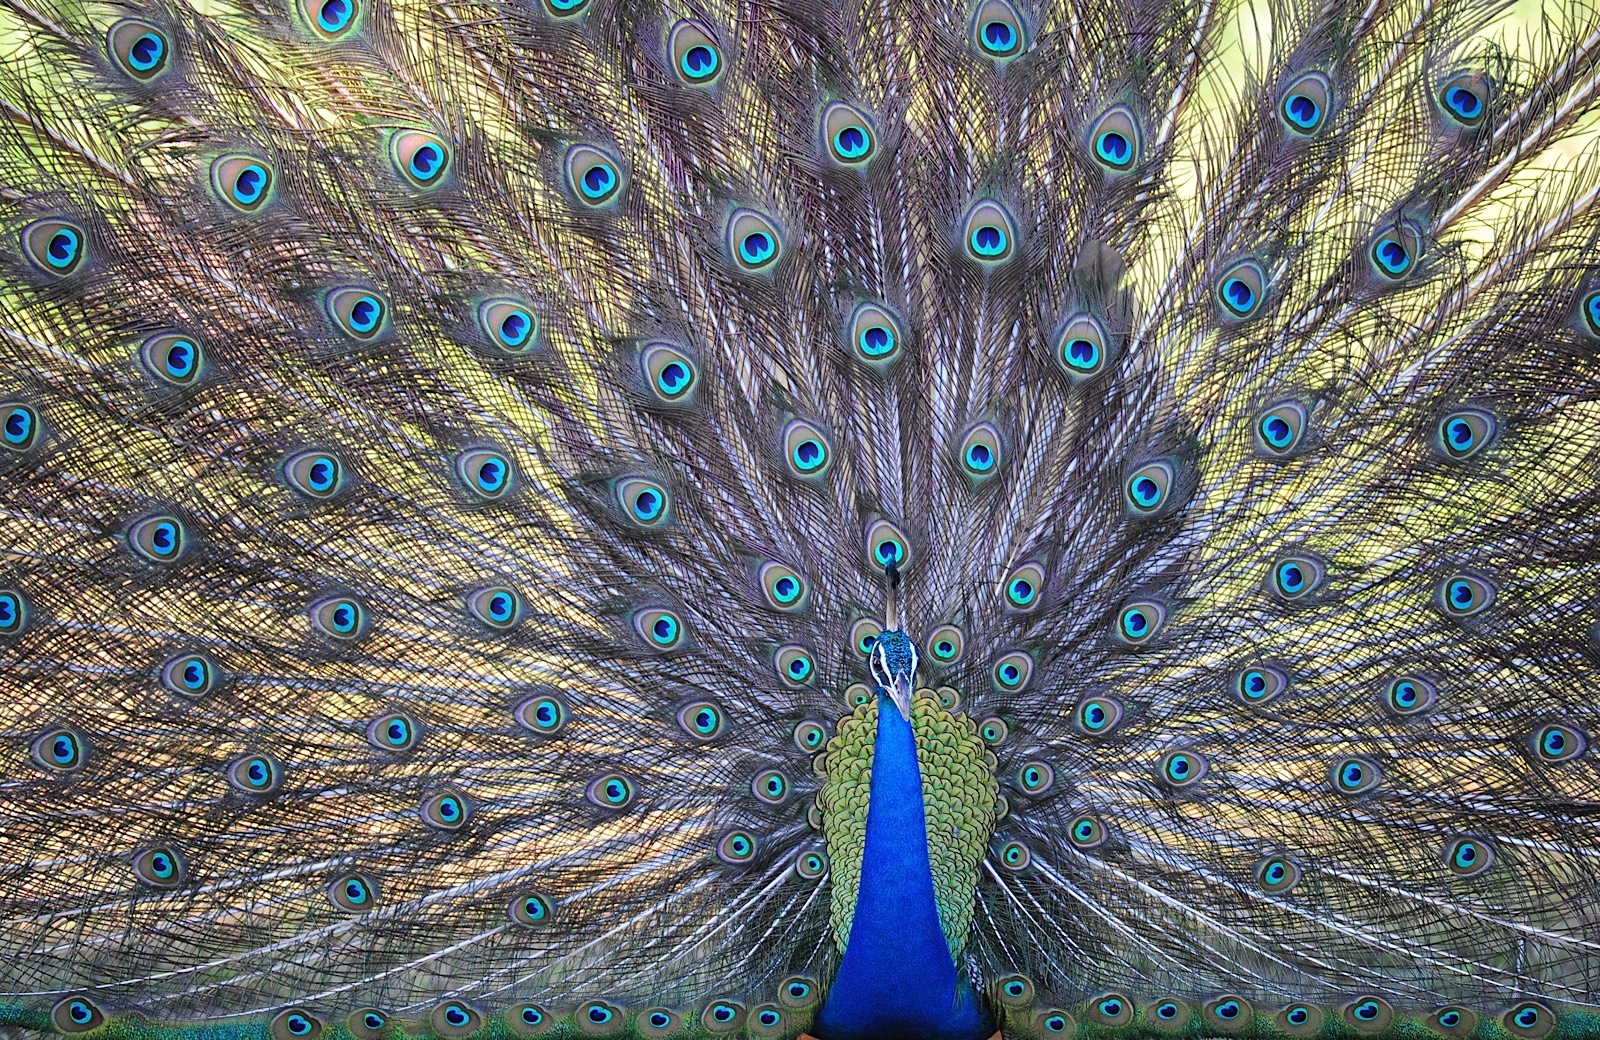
(358, 312)
(998, 30)
(593, 176)
(1241, 290)
(847, 133)
(875, 335)
(1303, 104)
(754, 241)
(989, 233)
(695, 56)
(1115, 140)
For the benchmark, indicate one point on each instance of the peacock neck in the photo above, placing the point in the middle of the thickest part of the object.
(897, 978)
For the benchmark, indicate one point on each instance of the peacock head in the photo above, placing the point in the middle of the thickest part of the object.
(894, 668)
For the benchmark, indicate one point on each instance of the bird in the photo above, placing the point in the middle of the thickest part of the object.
(866, 519)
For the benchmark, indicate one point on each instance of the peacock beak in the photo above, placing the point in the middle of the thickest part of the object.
(899, 691)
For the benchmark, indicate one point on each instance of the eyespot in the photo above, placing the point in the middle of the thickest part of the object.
(1303, 104)
(509, 326)
(669, 372)
(770, 786)
(799, 991)
(1098, 716)
(1468, 857)
(544, 714)
(754, 241)
(353, 893)
(1300, 1020)
(1148, 489)
(565, 8)
(1086, 832)
(242, 181)
(1182, 768)
(159, 539)
(1464, 98)
(980, 451)
(445, 811)
(612, 791)
(1409, 695)
(1368, 1015)
(485, 473)
(1529, 1019)
(1294, 578)
(189, 675)
(659, 1022)
(455, 1018)
(737, 847)
(723, 1016)
(315, 474)
(61, 751)
(659, 628)
(331, 19)
(174, 358)
(1279, 428)
(1166, 1015)
(1082, 348)
(875, 334)
(1014, 990)
(696, 58)
(702, 720)
(594, 177)
(159, 867)
(339, 617)
(795, 665)
(781, 586)
(885, 545)
(810, 864)
(993, 730)
(1138, 622)
(864, 635)
(1277, 874)
(395, 731)
(946, 644)
(531, 910)
(19, 426)
(1454, 1021)
(1014, 855)
(1556, 743)
(367, 1023)
(998, 30)
(54, 246)
(359, 313)
(847, 133)
(141, 50)
(1259, 684)
(1394, 252)
(1115, 140)
(1353, 775)
(1241, 290)
(1464, 595)
(1110, 1009)
(1024, 587)
(1035, 777)
(988, 233)
(76, 1015)
(13, 613)
(805, 449)
(529, 1019)
(295, 1024)
(498, 607)
(1054, 1022)
(1465, 432)
(420, 157)
(809, 736)
(1013, 671)
(255, 774)
(643, 501)
(1589, 312)
(1227, 1014)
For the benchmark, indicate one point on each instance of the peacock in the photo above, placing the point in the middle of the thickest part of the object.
(855, 519)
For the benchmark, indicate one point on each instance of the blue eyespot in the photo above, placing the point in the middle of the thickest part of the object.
(1259, 684)
(60, 751)
(660, 628)
(315, 474)
(1115, 140)
(158, 539)
(1464, 98)
(1098, 716)
(76, 1015)
(54, 246)
(794, 665)
(532, 910)
(1148, 489)
(331, 19)
(1277, 874)
(19, 426)
(874, 333)
(645, 502)
(543, 714)
(770, 786)
(1294, 578)
(593, 176)
(1465, 595)
(737, 847)
(1182, 768)
(886, 544)
(356, 311)
(612, 791)
(695, 56)
(1529, 1019)
(255, 774)
(13, 613)
(1353, 775)
(1465, 432)
(295, 1024)
(1086, 832)
(1280, 428)
(1138, 622)
(189, 675)
(989, 232)
(1468, 857)
(847, 133)
(139, 48)
(1023, 587)
(497, 606)
(668, 372)
(485, 473)
(1558, 743)
(395, 731)
(1241, 290)
(1013, 671)
(754, 241)
(1393, 255)
(338, 617)
(805, 448)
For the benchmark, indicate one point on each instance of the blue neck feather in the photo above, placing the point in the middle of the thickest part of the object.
(897, 978)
